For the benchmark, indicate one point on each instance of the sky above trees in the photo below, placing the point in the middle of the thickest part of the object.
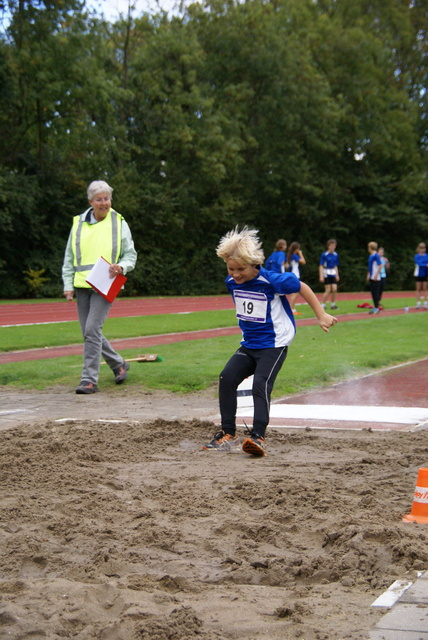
(113, 8)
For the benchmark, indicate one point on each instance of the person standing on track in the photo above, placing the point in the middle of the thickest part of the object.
(295, 258)
(268, 327)
(373, 275)
(420, 274)
(99, 231)
(383, 273)
(277, 260)
(329, 273)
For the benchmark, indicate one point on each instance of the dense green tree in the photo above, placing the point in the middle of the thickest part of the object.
(368, 52)
(57, 116)
(306, 119)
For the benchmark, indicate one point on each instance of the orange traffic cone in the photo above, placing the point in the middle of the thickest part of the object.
(419, 511)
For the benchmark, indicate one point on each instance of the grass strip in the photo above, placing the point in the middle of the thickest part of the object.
(39, 336)
(63, 333)
(349, 350)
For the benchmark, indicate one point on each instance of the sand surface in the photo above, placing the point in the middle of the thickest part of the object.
(128, 530)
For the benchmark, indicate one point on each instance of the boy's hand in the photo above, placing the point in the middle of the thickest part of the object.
(326, 321)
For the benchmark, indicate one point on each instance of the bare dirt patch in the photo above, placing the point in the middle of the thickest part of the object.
(122, 402)
(126, 531)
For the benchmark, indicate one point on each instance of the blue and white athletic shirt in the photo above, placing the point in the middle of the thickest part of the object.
(275, 261)
(374, 260)
(329, 261)
(263, 312)
(294, 265)
(421, 265)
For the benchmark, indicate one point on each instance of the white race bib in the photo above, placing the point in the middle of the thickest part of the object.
(250, 306)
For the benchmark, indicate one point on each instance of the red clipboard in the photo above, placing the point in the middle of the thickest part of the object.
(99, 279)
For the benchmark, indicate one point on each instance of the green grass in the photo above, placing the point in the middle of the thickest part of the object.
(54, 335)
(350, 306)
(30, 300)
(352, 349)
(63, 333)
(349, 350)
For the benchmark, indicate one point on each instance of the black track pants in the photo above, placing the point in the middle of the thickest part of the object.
(376, 290)
(265, 365)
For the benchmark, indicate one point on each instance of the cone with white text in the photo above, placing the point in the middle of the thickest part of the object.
(419, 512)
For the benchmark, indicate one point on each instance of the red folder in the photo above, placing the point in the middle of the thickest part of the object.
(100, 280)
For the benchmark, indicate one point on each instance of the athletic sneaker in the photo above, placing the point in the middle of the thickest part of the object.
(256, 445)
(86, 387)
(121, 373)
(223, 442)
(425, 305)
(323, 305)
(333, 306)
(374, 310)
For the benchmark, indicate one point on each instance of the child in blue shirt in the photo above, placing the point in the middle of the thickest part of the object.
(277, 260)
(373, 275)
(383, 273)
(268, 327)
(295, 258)
(420, 274)
(329, 273)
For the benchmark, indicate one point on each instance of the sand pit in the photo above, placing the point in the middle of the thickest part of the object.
(126, 531)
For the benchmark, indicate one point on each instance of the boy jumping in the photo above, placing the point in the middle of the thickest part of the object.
(268, 327)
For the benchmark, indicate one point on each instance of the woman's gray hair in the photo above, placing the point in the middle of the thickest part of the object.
(98, 186)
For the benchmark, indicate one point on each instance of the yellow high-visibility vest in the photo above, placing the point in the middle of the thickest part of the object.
(91, 241)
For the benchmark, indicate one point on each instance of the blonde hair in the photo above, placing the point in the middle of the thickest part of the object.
(281, 245)
(372, 246)
(243, 246)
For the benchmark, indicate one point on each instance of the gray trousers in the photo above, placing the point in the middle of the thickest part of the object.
(93, 310)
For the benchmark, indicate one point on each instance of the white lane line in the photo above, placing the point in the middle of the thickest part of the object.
(9, 411)
(353, 413)
(95, 420)
(33, 324)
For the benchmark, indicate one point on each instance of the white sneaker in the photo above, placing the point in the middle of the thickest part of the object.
(323, 305)
(425, 305)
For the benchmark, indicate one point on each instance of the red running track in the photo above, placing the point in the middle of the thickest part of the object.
(46, 312)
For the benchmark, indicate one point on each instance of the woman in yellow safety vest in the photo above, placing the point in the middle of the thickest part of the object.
(98, 232)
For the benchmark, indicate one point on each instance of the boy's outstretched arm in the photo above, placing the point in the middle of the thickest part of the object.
(325, 320)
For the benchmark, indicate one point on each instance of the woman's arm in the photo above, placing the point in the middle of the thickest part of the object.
(68, 270)
(128, 255)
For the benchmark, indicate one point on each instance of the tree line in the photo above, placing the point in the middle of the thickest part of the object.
(303, 118)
